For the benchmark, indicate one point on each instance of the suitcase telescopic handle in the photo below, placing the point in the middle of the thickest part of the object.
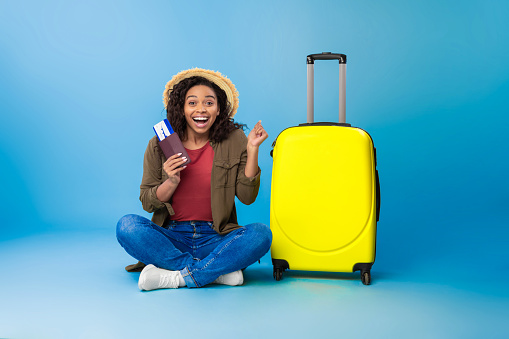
(311, 83)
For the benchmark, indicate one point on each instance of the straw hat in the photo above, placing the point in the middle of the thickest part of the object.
(222, 81)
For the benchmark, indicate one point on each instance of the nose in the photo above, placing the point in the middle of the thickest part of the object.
(200, 108)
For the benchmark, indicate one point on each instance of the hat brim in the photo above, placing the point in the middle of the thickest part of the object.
(222, 81)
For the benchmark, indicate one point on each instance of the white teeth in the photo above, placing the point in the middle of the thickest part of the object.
(201, 118)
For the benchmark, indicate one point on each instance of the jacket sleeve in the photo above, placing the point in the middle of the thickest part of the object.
(246, 189)
(152, 179)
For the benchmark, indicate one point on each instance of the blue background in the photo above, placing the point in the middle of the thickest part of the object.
(81, 87)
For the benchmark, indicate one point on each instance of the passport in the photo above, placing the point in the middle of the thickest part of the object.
(169, 141)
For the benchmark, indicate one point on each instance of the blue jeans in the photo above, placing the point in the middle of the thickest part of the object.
(193, 247)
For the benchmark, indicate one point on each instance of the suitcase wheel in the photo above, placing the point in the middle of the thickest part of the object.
(366, 278)
(279, 268)
(278, 273)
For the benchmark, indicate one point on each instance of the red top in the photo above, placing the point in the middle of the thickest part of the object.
(191, 199)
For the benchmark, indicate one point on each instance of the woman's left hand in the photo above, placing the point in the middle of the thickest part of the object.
(256, 136)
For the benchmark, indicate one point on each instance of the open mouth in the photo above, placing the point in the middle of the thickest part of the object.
(201, 121)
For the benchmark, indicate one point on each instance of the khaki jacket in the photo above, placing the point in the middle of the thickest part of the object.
(227, 181)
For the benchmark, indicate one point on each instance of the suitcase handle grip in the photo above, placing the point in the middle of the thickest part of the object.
(326, 56)
(311, 83)
(342, 124)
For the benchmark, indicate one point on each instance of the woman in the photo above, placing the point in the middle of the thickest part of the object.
(194, 238)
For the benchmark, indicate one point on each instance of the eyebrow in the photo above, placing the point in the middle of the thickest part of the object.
(207, 96)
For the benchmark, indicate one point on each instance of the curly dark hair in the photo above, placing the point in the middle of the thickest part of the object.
(223, 125)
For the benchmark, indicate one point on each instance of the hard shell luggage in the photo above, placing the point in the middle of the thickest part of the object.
(325, 193)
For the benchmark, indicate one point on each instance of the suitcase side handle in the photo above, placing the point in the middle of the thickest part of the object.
(311, 83)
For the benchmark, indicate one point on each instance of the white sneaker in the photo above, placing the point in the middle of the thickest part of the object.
(152, 278)
(233, 279)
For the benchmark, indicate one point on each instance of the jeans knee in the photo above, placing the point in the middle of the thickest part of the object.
(262, 234)
(267, 233)
(126, 225)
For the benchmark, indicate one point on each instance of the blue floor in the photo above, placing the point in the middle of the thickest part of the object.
(72, 285)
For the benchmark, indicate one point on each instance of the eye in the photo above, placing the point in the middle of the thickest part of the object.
(210, 103)
(191, 103)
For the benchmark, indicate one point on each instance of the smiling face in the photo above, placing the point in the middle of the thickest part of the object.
(201, 110)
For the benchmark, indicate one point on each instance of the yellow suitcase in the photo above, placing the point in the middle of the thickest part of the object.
(325, 196)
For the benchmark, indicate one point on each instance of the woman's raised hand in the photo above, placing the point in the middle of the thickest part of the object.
(257, 135)
(171, 167)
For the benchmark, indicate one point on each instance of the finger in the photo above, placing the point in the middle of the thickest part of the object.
(176, 171)
(263, 134)
(174, 156)
(174, 163)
